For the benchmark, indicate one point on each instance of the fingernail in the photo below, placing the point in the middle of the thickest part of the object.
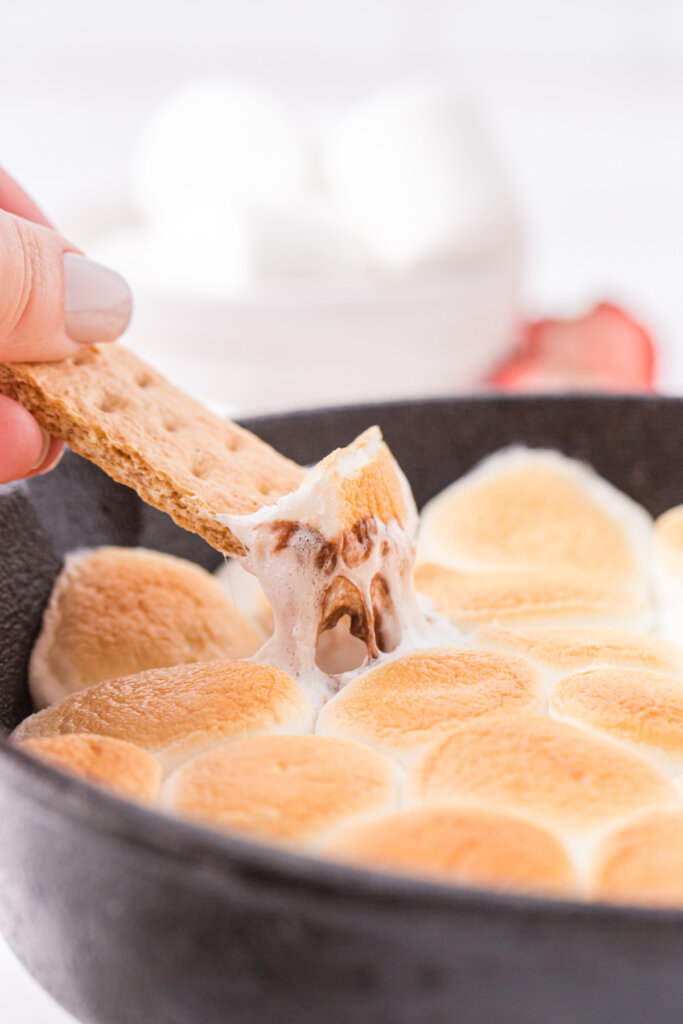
(54, 454)
(97, 301)
(45, 447)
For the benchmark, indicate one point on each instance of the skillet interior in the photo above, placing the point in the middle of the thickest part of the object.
(443, 954)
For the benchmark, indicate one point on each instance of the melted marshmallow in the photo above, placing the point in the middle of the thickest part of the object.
(342, 544)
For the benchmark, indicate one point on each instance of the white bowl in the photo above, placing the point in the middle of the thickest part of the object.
(422, 335)
(324, 341)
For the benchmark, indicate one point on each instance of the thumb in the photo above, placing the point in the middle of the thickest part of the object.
(54, 300)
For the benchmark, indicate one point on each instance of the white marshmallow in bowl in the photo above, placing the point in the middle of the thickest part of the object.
(413, 170)
(219, 140)
(175, 257)
(253, 270)
(304, 238)
(238, 247)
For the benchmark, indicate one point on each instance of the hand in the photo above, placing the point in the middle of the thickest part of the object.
(53, 302)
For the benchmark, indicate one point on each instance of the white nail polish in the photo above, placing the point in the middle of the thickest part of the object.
(97, 301)
(43, 451)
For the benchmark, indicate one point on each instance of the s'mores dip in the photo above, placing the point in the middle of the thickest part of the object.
(489, 694)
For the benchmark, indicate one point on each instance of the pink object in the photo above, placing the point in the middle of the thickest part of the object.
(605, 350)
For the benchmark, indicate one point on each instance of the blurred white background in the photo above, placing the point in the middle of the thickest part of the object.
(584, 98)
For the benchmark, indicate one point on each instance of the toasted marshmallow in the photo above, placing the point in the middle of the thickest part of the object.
(288, 788)
(668, 557)
(117, 611)
(642, 862)
(561, 776)
(524, 509)
(670, 622)
(360, 482)
(466, 846)
(638, 706)
(177, 712)
(530, 597)
(340, 545)
(558, 650)
(401, 705)
(114, 764)
(668, 572)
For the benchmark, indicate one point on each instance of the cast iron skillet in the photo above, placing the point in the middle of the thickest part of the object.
(128, 917)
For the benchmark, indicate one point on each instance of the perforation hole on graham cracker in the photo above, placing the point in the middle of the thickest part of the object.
(234, 443)
(202, 468)
(268, 493)
(173, 424)
(112, 402)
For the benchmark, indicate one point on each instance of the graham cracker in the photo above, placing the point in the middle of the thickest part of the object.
(117, 411)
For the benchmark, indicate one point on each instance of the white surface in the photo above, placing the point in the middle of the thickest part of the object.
(586, 99)
(23, 1002)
